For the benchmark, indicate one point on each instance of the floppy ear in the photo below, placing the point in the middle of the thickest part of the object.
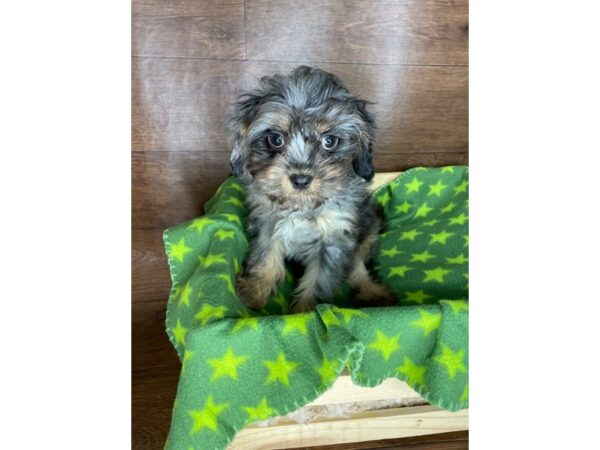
(245, 112)
(363, 161)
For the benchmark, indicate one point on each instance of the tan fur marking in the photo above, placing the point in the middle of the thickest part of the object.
(322, 127)
(304, 295)
(256, 287)
(363, 251)
(368, 290)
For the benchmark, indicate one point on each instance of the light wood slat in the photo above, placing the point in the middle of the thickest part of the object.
(182, 105)
(188, 28)
(345, 391)
(383, 32)
(370, 425)
(382, 178)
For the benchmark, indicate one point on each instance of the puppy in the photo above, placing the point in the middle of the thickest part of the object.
(302, 145)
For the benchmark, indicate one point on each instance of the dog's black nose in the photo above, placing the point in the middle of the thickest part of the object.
(300, 181)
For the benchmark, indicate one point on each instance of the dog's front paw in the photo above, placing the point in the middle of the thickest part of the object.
(302, 304)
(375, 294)
(252, 292)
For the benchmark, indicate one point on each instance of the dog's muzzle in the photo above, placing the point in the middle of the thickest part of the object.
(300, 181)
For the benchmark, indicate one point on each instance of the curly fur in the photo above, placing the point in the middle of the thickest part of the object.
(330, 226)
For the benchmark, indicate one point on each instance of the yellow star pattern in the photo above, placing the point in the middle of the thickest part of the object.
(176, 292)
(465, 395)
(234, 201)
(415, 374)
(449, 208)
(462, 187)
(436, 189)
(207, 416)
(458, 306)
(385, 344)
(232, 218)
(179, 332)
(423, 210)
(348, 314)
(459, 220)
(326, 371)
(413, 186)
(428, 322)
(280, 369)
(448, 169)
(329, 318)
(452, 360)
(236, 187)
(410, 235)
(187, 355)
(460, 259)
(403, 208)
(260, 412)
(209, 312)
(436, 275)
(431, 223)
(199, 224)
(184, 299)
(222, 234)
(421, 257)
(417, 296)
(295, 322)
(249, 322)
(384, 199)
(227, 365)
(390, 252)
(179, 250)
(210, 260)
(399, 271)
(440, 238)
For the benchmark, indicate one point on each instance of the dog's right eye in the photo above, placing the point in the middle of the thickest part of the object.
(275, 140)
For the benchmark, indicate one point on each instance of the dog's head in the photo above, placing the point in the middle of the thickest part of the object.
(300, 139)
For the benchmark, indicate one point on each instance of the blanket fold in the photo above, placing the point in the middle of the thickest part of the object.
(240, 365)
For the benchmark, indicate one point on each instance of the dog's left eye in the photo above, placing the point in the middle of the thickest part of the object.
(275, 140)
(330, 142)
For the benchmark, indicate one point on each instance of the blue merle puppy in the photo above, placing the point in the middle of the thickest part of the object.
(302, 145)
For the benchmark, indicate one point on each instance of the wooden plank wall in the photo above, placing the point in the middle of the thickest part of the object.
(191, 58)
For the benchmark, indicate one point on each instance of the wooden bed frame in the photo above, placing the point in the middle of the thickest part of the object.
(372, 424)
(363, 426)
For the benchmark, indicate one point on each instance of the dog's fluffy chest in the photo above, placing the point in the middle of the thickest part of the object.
(301, 232)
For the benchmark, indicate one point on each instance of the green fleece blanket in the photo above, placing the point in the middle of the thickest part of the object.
(239, 366)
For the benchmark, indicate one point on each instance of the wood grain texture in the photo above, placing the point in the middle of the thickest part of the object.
(189, 28)
(150, 278)
(363, 426)
(152, 396)
(456, 440)
(172, 187)
(150, 344)
(183, 105)
(193, 57)
(382, 32)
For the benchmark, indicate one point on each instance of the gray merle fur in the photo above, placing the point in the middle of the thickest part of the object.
(308, 199)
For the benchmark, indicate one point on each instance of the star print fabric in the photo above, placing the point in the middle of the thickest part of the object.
(240, 365)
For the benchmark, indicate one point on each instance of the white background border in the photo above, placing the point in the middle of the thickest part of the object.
(65, 189)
